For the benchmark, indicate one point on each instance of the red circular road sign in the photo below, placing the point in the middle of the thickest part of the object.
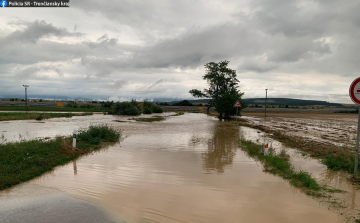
(354, 91)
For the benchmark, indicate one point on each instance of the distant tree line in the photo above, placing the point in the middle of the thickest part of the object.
(133, 108)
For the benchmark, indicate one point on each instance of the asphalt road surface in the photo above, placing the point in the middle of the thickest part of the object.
(51, 206)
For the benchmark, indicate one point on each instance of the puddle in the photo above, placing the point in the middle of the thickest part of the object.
(186, 168)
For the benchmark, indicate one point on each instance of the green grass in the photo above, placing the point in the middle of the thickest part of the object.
(63, 109)
(280, 165)
(22, 161)
(339, 161)
(178, 114)
(8, 116)
(152, 119)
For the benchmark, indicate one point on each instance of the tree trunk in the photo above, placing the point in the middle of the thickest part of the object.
(220, 116)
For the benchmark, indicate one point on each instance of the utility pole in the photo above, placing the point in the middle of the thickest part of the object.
(26, 86)
(265, 101)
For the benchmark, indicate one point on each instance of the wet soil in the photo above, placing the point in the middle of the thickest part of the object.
(323, 127)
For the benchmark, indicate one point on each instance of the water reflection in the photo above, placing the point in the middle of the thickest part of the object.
(75, 167)
(221, 148)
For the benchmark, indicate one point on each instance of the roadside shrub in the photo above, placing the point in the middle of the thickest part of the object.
(126, 108)
(341, 161)
(96, 134)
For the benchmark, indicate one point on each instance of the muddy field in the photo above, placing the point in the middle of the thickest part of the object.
(330, 128)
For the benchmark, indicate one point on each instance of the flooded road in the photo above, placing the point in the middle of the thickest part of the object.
(185, 169)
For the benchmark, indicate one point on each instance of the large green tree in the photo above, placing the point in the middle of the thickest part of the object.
(222, 88)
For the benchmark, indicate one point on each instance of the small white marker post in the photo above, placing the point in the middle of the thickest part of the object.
(354, 92)
(266, 149)
(74, 139)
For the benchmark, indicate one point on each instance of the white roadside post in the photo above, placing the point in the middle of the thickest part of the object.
(354, 92)
(237, 105)
(266, 149)
(74, 139)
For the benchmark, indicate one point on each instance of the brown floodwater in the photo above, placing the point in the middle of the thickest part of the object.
(185, 169)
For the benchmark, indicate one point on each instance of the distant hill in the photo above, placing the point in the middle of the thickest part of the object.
(288, 101)
(274, 101)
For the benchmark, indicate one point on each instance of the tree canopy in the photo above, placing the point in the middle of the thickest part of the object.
(222, 88)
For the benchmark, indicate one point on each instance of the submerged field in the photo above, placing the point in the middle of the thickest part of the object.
(59, 109)
(323, 127)
(187, 167)
(8, 116)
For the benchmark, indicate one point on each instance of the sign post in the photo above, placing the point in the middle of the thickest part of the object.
(237, 105)
(74, 139)
(354, 92)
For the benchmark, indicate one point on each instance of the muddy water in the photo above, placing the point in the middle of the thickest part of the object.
(185, 169)
(350, 200)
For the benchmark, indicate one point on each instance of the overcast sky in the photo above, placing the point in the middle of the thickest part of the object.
(123, 49)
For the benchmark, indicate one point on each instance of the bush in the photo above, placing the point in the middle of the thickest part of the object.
(72, 104)
(147, 110)
(157, 109)
(87, 106)
(341, 161)
(126, 108)
(184, 103)
(96, 134)
(151, 108)
(107, 104)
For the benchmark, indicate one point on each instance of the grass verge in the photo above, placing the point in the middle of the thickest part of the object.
(152, 119)
(178, 114)
(63, 109)
(335, 158)
(22, 161)
(8, 116)
(278, 164)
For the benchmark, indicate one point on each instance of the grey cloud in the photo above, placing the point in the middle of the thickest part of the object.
(156, 83)
(44, 51)
(32, 72)
(117, 84)
(259, 64)
(103, 42)
(37, 30)
(199, 47)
